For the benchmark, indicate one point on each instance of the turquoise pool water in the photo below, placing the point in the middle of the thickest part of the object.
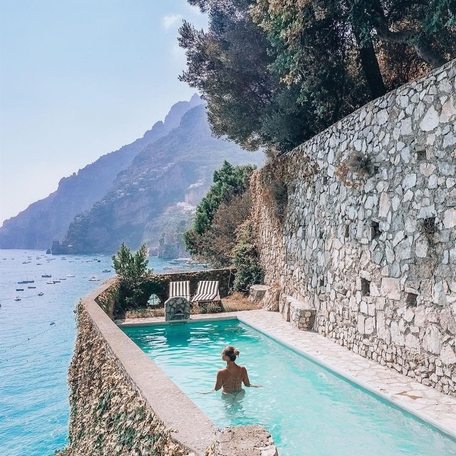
(308, 410)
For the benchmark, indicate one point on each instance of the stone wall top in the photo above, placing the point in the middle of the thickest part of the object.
(191, 427)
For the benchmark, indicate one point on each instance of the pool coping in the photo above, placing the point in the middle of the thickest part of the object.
(188, 424)
(397, 389)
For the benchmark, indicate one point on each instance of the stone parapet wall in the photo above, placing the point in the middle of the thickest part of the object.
(108, 413)
(359, 223)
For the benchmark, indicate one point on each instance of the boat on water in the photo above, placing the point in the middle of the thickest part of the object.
(71, 275)
(40, 293)
(19, 289)
(106, 270)
(62, 278)
(56, 281)
(31, 287)
(46, 276)
(17, 298)
(94, 279)
(25, 281)
(50, 283)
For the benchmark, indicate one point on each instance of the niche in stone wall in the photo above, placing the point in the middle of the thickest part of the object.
(428, 226)
(375, 229)
(421, 154)
(411, 299)
(365, 287)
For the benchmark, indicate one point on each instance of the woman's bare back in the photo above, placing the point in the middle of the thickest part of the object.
(231, 378)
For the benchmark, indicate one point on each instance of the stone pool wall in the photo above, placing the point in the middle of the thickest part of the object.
(108, 414)
(359, 224)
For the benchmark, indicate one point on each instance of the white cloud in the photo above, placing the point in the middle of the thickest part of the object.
(171, 20)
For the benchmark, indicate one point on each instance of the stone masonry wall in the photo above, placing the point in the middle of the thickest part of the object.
(367, 233)
(108, 414)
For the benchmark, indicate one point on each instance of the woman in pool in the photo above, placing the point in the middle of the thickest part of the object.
(233, 376)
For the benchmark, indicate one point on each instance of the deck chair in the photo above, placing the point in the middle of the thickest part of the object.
(179, 290)
(207, 291)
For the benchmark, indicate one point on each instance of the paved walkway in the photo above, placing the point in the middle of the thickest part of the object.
(423, 401)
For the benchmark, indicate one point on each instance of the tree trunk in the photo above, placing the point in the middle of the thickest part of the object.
(429, 55)
(413, 39)
(371, 70)
(370, 65)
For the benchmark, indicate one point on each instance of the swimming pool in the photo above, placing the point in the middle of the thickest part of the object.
(308, 409)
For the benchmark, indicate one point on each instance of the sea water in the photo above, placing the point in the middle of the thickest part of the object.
(309, 410)
(37, 337)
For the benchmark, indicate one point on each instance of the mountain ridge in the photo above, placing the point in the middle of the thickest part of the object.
(173, 172)
(48, 219)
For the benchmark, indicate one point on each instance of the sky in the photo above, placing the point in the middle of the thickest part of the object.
(78, 79)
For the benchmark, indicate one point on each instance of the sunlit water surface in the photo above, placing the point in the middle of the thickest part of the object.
(36, 342)
(308, 410)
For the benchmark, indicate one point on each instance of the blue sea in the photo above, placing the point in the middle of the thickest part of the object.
(37, 335)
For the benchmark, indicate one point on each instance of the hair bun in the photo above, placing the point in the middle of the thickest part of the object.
(236, 352)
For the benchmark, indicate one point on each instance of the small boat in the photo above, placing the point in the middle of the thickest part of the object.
(31, 287)
(19, 289)
(50, 283)
(40, 293)
(63, 278)
(71, 275)
(94, 279)
(17, 298)
(56, 281)
(25, 281)
(46, 276)
(106, 270)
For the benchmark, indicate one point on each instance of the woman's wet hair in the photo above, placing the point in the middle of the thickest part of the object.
(231, 352)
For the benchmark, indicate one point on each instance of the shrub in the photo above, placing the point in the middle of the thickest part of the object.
(246, 259)
(132, 270)
(226, 205)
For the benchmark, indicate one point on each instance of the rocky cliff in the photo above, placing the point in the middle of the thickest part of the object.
(48, 219)
(172, 173)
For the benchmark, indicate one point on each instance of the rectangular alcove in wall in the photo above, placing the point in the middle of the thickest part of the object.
(365, 287)
(411, 300)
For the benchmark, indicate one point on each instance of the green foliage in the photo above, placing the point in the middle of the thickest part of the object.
(246, 259)
(229, 182)
(132, 270)
(277, 72)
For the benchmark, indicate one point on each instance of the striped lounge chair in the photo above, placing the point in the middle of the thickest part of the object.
(179, 290)
(207, 291)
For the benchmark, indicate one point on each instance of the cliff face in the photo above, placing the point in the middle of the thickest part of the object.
(48, 219)
(171, 172)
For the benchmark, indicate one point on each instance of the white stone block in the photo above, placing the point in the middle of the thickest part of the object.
(391, 288)
(449, 218)
(447, 355)
(430, 120)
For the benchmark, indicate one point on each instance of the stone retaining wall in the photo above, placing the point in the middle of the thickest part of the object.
(359, 223)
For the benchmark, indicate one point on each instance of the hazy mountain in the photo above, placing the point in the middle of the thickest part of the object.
(159, 190)
(48, 219)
